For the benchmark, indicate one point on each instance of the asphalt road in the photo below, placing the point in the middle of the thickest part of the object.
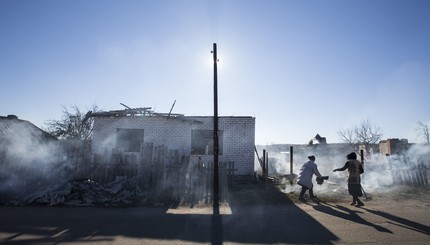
(378, 222)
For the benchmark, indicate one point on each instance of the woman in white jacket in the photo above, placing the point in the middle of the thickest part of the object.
(308, 169)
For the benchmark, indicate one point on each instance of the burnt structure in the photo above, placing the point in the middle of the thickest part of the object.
(393, 146)
(318, 139)
(130, 129)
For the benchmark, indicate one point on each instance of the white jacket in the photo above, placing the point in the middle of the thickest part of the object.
(308, 169)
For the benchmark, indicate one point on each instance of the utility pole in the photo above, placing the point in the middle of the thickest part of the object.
(215, 136)
(216, 217)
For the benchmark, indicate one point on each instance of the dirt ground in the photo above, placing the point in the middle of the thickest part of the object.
(280, 190)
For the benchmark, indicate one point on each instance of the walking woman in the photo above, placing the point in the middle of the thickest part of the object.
(355, 168)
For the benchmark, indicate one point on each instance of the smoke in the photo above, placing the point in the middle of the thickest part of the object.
(407, 168)
(28, 159)
(381, 173)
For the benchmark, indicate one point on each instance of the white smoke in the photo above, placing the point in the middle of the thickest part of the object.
(381, 173)
(29, 159)
(408, 168)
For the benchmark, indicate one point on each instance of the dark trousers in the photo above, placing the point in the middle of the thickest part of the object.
(304, 189)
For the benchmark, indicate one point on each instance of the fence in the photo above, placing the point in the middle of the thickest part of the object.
(157, 170)
(408, 171)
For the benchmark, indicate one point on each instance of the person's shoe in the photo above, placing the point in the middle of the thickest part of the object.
(353, 203)
(360, 204)
(302, 199)
(314, 197)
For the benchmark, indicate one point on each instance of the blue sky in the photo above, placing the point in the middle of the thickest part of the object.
(299, 67)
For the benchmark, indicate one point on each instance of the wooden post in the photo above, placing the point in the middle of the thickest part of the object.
(362, 160)
(291, 161)
(267, 167)
(263, 167)
(291, 165)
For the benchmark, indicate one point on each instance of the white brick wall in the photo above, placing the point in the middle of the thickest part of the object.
(238, 135)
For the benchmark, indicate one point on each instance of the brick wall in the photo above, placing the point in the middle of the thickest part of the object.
(238, 135)
(393, 146)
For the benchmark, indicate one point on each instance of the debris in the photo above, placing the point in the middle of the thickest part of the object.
(85, 192)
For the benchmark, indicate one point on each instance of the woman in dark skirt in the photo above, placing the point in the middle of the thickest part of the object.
(355, 168)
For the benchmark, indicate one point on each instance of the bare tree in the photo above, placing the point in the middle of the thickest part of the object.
(364, 134)
(72, 125)
(423, 131)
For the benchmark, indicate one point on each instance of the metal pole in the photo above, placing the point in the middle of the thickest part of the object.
(215, 136)
(171, 108)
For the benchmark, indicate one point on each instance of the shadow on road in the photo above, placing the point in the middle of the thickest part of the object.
(347, 214)
(270, 216)
(405, 223)
(251, 222)
(36, 225)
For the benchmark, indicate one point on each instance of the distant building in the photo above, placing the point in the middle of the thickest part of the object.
(393, 146)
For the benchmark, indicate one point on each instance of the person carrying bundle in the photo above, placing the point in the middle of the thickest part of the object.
(308, 169)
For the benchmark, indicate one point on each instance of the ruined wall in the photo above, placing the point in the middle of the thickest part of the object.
(238, 141)
(393, 146)
(238, 135)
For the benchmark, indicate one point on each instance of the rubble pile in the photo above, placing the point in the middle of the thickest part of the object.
(85, 192)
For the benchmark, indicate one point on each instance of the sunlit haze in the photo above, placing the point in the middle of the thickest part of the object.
(299, 67)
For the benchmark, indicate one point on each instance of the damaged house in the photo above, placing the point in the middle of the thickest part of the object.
(133, 152)
(129, 130)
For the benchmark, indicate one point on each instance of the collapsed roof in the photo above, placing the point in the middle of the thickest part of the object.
(130, 112)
